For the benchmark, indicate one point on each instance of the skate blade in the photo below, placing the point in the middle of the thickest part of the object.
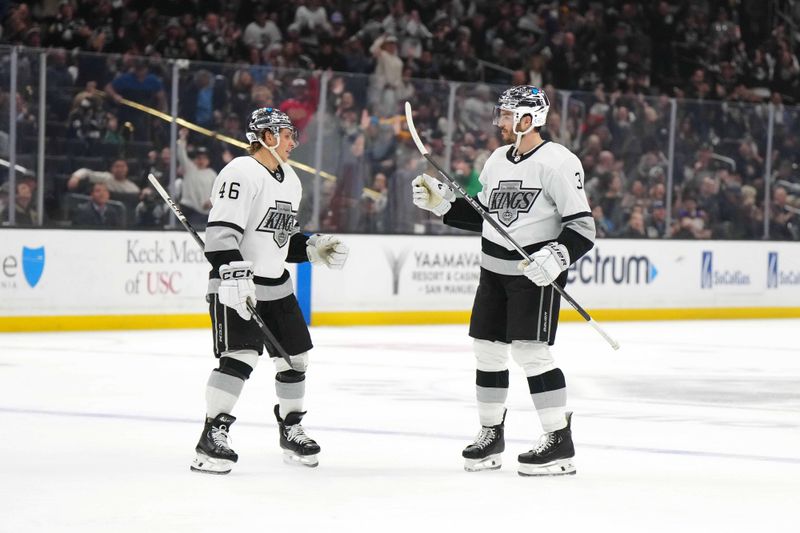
(291, 458)
(492, 462)
(209, 465)
(560, 467)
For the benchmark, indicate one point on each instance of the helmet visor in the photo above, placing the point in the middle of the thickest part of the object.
(500, 114)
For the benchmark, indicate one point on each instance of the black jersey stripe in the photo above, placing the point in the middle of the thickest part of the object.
(222, 223)
(259, 280)
(500, 252)
(576, 215)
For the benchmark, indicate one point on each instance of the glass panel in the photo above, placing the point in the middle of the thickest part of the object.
(5, 75)
(719, 170)
(622, 142)
(367, 159)
(784, 194)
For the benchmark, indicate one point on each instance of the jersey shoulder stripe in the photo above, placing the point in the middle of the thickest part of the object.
(581, 214)
(223, 223)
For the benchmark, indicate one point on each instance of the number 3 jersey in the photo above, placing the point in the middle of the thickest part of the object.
(253, 218)
(537, 197)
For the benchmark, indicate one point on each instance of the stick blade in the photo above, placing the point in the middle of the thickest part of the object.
(413, 130)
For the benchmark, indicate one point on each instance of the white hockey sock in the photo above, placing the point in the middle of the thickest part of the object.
(290, 396)
(222, 392)
(491, 391)
(549, 394)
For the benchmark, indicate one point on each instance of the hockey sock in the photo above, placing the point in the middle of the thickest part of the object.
(491, 391)
(222, 392)
(290, 387)
(549, 394)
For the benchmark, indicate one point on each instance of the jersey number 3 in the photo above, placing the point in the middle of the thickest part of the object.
(233, 190)
(580, 183)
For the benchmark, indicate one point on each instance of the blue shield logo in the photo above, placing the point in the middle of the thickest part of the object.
(707, 271)
(32, 264)
(772, 270)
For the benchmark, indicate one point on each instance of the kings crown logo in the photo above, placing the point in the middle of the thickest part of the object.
(281, 222)
(510, 199)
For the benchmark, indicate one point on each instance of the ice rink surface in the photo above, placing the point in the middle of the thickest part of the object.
(691, 426)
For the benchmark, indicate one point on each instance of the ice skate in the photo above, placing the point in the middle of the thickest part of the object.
(298, 448)
(214, 454)
(553, 455)
(484, 453)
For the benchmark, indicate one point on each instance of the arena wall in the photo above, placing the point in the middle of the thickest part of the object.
(87, 280)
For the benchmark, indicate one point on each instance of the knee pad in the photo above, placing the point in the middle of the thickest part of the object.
(238, 363)
(290, 376)
(533, 356)
(299, 363)
(490, 356)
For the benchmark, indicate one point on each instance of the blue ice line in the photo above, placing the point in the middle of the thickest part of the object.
(149, 418)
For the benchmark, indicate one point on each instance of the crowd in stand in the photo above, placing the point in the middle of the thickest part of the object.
(621, 62)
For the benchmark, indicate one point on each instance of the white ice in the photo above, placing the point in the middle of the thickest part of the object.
(691, 426)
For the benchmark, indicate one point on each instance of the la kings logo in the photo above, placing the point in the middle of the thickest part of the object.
(280, 221)
(510, 199)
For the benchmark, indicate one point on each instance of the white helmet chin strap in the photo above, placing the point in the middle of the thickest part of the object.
(520, 134)
(272, 149)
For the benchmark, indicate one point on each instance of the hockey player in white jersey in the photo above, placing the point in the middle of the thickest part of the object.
(252, 231)
(535, 190)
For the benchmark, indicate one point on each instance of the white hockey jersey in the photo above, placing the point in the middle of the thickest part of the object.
(254, 213)
(535, 197)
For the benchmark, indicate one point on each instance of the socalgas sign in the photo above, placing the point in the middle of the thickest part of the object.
(711, 276)
(777, 277)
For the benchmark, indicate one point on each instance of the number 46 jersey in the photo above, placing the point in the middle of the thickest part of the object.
(536, 197)
(253, 217)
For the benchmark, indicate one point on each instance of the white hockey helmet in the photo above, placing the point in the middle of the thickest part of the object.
(269, 119)
(523, 100)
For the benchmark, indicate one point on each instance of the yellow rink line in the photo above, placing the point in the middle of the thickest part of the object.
(376, 318)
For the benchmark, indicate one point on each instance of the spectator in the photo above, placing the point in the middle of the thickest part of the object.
(59, 84)
(202, 97)
(170, 45)
(116, 181)
(158, 163)
(345, 212)
(262, 31)
(634, 229)
(67, 31)
(97, 212)
(150, 211)
(657, 222)
(311, 20)
(388, 75)
(374, 205)
(302, 104)
(138, 85)
(198, 178)
(26, 212)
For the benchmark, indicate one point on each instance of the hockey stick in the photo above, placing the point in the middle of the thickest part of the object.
(269, 338)
(482, 212)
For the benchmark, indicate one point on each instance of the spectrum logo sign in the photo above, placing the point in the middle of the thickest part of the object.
(710, 278)
(776, 277)
(598, 269)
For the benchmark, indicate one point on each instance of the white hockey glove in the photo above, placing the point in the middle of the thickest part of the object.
(431, 194)
(237, 286)
(547, 264)
(327, 250)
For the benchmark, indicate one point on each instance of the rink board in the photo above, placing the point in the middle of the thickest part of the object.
(66, 279)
